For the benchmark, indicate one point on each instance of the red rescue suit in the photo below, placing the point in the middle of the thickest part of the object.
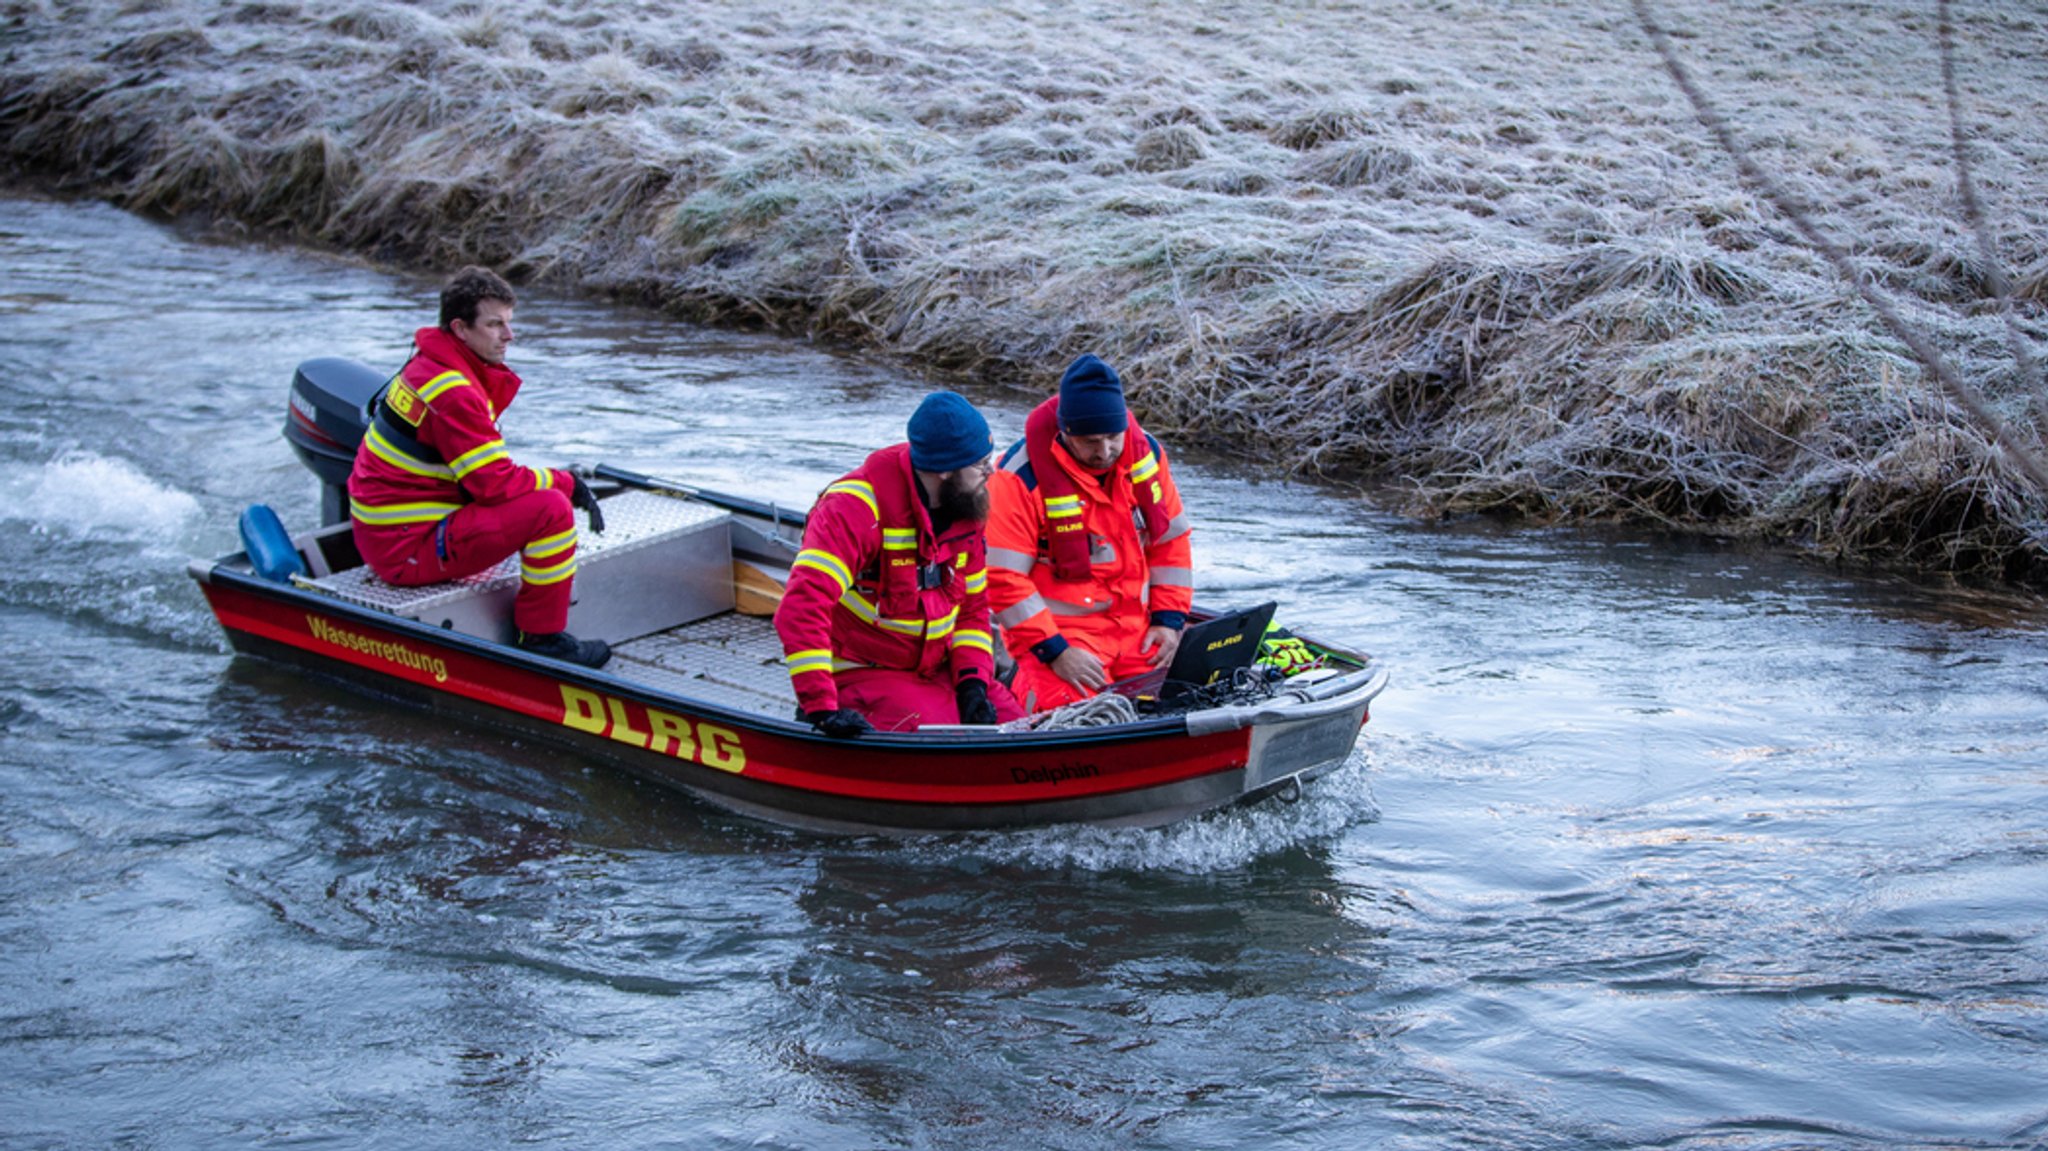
(1136, 575)
(880, 614)
(435, 496)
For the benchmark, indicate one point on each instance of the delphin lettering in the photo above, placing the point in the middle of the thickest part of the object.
(1055, 774)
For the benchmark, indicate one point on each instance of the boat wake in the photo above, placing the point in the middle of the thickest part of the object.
(91, 496)
(100, 541)
(1217, 842)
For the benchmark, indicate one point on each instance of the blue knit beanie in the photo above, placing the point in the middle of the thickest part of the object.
(1092, 399)
(947, 434)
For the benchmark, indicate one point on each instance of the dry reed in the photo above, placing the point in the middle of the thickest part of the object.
(1482, 257)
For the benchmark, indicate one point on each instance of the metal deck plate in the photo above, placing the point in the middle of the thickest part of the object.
(731, 659)
(633, 519)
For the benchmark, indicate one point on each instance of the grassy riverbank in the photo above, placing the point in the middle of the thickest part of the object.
(1478, 251)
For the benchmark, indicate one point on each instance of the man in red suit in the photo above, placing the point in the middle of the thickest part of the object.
(885, 622)
(434, 494)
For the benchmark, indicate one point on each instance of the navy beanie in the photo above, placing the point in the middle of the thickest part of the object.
(947, 434)
(1092, 399)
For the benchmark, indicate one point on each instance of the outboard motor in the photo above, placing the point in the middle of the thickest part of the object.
(329, 413)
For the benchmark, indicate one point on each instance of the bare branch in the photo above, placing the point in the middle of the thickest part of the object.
(1916, 341)
(1973, 214)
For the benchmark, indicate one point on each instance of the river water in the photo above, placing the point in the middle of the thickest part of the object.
(1650, 843)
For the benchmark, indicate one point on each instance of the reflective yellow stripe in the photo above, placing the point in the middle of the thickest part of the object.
(899, 539)
(477, 457)
(419, 513)
(826, 562)
(978, 640)
(815, 659)
(1063, 506)
(854, 602)
(553, 545)
(1145, 469)
(543, 479)
(441, 383)
(860, 489)
(555, 573)
(977, 582)
(942, 627)
(939, 628)
(397, 457)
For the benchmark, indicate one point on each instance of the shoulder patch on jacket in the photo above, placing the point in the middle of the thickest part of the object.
(1017, 462)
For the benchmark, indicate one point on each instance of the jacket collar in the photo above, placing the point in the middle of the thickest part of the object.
(499, 382)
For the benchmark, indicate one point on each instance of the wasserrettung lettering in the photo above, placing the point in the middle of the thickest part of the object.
(385, 650)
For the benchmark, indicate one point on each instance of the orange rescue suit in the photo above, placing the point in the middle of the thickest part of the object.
(1133, 580)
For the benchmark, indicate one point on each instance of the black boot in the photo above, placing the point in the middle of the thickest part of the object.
(563, 646)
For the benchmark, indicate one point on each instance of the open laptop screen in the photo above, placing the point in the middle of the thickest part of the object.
(1209, 652)
(1212, 649)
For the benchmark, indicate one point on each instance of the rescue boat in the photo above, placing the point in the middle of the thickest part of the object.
(682, 584)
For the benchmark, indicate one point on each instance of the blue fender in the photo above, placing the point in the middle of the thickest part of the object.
(269, 546)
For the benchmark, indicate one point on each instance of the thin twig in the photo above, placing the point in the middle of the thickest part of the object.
(1973, 214)
(1923, 349)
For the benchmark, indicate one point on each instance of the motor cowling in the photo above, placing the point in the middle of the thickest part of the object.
(325, 421)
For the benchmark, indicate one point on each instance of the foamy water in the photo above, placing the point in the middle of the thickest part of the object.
(1220, 842)
(87, 495)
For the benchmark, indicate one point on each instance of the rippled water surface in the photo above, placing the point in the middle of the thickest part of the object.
(1650, 843)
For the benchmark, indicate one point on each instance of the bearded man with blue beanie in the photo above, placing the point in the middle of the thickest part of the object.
(1091, 568)
(947, 434)
(885, 620)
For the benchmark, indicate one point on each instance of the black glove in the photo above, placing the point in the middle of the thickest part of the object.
(844, 723)
(974, 704)
(586, 499)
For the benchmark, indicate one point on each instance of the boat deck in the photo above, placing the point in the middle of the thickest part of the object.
(730, 659)
(715, 653)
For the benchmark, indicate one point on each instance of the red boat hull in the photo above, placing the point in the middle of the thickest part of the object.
(1141, 774)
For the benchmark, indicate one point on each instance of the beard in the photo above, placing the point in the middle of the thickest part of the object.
(962, 498)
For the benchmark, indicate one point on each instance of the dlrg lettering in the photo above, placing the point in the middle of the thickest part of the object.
(651, 728)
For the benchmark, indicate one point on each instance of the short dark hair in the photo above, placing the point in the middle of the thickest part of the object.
(470, 287)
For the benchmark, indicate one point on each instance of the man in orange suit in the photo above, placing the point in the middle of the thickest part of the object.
(1091, 568)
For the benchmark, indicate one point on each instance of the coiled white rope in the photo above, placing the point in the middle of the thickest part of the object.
(1105, 710)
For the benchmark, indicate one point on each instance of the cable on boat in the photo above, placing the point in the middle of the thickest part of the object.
(1249, 685)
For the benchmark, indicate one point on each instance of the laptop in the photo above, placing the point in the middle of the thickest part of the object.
(1209, 652)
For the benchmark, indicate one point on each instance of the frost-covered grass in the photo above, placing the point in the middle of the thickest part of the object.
(1476, 251)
